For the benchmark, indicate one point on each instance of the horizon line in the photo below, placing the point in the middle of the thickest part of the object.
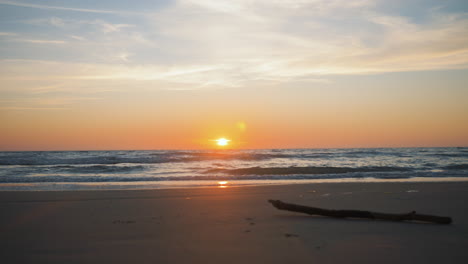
(227, 149)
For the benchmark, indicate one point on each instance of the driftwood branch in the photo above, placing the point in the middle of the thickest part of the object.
(411, 216)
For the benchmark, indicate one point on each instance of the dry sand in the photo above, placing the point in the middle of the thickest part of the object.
(233, 225)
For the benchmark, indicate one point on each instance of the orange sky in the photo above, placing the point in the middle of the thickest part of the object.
(318, 117)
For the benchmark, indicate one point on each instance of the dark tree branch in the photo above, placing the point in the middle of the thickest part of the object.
(411, 216)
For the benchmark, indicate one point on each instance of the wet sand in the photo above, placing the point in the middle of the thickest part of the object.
(233, 225)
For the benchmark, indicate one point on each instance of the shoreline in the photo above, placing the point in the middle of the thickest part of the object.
(233, 225)
(170, 185)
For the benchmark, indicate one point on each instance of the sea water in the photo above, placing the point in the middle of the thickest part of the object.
(89, 170)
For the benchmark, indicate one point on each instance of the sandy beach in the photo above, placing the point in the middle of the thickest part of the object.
(233, 225)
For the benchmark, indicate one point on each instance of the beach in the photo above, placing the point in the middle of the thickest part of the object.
(233, 225)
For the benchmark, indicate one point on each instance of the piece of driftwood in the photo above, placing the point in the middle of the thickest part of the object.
(411, 216)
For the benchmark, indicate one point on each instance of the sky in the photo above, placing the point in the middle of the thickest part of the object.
(105, 75)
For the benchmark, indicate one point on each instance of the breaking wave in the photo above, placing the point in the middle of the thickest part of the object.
(94, 178)
(231, 165)
(303, 170)
(137, 157)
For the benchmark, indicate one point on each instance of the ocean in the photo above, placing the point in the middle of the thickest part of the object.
(96, 170)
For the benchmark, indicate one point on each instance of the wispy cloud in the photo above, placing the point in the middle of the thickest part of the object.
(34, 101)
(39, 6)
(108, 27)
(222, 43)
(299, 38)
(20, 108)
(40, 41)
(7, 34)
(79, 38)
(70, 24)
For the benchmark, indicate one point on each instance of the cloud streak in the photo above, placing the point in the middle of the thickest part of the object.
(40, 41)
(207, 43)
(48, 7)
(311, 43)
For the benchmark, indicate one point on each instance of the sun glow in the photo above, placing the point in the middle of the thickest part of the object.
(222, 142)
(223, 184)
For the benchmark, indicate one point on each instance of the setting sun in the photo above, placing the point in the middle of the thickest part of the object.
(222, 142)
(223, 184)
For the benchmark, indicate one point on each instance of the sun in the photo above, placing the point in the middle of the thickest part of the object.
(222, 141)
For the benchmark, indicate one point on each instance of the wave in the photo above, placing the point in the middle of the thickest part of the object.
(363, 152)
(224, 155)
(215, 175)
(178, 156)
(78, 161)
(141, 157)
(216, 178)
(303, 170)
(450, 155)
(97, 169)
(457, 167)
